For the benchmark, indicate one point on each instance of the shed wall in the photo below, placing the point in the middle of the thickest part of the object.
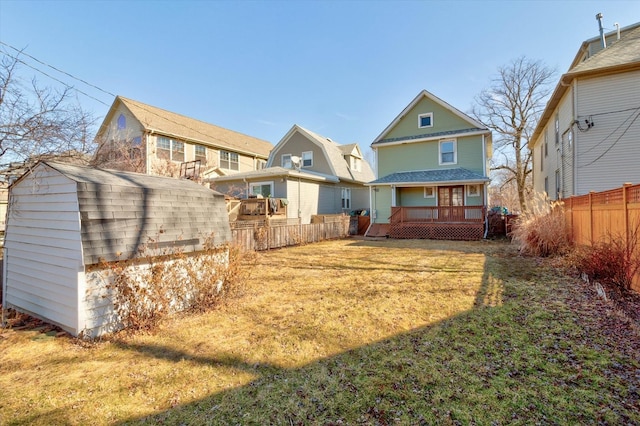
(43, 249)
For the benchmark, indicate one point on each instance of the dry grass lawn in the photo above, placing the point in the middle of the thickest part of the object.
(341, 332)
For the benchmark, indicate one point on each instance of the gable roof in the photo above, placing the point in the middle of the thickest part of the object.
(621, 56)
(334, 154)
(475, 126)
(121, 212)
(457, 175)
(167, 123)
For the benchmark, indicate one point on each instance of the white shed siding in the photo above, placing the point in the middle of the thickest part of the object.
(607, 153)
(43, 247)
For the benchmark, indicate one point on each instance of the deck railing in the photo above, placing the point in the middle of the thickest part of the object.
(458, 214)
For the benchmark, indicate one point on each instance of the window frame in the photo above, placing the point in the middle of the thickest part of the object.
(122, 122)
(433, 192)
(421, 116)
(345, 198)
(303, 160)
(556, 125)
(455, 152)
(229, 160)
(477, 190)
(261, 184)
(203, 156)
(283, 162)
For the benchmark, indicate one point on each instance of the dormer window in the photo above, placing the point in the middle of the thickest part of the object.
(355, 163)
(425, 120)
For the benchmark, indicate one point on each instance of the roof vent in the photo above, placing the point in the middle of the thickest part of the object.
(602, 37)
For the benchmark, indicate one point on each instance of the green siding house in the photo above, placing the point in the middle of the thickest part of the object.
(432, 168)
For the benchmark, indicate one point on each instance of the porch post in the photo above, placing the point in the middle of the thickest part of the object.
(393, 195)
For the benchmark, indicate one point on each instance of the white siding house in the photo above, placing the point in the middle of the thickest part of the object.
(596, 110)
(66, 223)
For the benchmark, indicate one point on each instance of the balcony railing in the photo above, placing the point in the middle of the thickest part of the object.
(458, 214)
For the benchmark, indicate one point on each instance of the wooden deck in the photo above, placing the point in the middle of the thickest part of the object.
(438, 223)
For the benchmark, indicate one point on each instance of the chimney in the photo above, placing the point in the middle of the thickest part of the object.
(602, 38)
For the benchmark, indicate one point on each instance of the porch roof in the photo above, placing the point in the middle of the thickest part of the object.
(431, 177)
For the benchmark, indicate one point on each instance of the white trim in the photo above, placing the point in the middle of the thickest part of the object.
(438, 101)
(270, 183)
(230, 153)
(477, 190)
(484, 155)
(431, 138)
(282, 163)
(421, 116)
(433, 192)
(302, 158)
(455, 151)
(393, 196)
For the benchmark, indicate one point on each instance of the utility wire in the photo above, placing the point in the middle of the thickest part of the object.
(613, 144)
(53, 78)
(615, 130)
(140, 105)
(22, 52)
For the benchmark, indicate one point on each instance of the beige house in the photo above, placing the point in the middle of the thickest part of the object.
(587, 138)
(138, 137)
(313, 173)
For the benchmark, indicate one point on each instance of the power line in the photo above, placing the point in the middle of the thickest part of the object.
(53, 78)
(613, 144)
(22, 52)
(140, 105)
(614, 130)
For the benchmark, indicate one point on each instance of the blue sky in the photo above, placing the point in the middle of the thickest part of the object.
(343, 69)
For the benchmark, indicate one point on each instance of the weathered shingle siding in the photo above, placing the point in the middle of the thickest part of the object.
(118, 221)
(43, 247)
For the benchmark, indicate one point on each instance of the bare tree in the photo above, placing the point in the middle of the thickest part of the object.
(511, 107)
(38, 121)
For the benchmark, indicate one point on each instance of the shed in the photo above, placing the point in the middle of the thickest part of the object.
(65, 221)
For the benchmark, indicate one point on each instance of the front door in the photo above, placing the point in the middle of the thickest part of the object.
(450, 197)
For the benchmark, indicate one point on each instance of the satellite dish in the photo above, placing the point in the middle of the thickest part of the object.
(295, 160)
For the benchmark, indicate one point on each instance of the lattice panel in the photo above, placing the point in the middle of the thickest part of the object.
(431, 231)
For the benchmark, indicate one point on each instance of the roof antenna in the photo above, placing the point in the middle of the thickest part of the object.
(617, 30)
(602, 38)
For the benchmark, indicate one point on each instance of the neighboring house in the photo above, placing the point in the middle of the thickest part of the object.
(66, 223)
(589, 133)
(140, 137)
(314, 174)
(432, 167)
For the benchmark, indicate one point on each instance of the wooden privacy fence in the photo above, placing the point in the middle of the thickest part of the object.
(599, 215)
(264, 237)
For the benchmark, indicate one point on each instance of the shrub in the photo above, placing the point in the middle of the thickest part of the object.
(612, 261)
(541, 231)
(147, 289)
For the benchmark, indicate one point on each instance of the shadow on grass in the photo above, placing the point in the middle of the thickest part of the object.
(481, 366)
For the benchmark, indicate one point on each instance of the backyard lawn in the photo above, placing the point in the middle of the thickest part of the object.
(351, 332)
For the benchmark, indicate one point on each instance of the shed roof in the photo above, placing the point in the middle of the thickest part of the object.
(440, 176)
(121, 213)
(158, 120)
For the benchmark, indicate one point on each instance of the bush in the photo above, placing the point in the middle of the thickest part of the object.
(160, 282)
(611, 262)
(542, 231)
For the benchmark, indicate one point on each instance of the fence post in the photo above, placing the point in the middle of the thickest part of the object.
(625, 189)
(591, 217)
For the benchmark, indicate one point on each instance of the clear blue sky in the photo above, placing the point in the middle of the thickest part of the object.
(343, 69)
